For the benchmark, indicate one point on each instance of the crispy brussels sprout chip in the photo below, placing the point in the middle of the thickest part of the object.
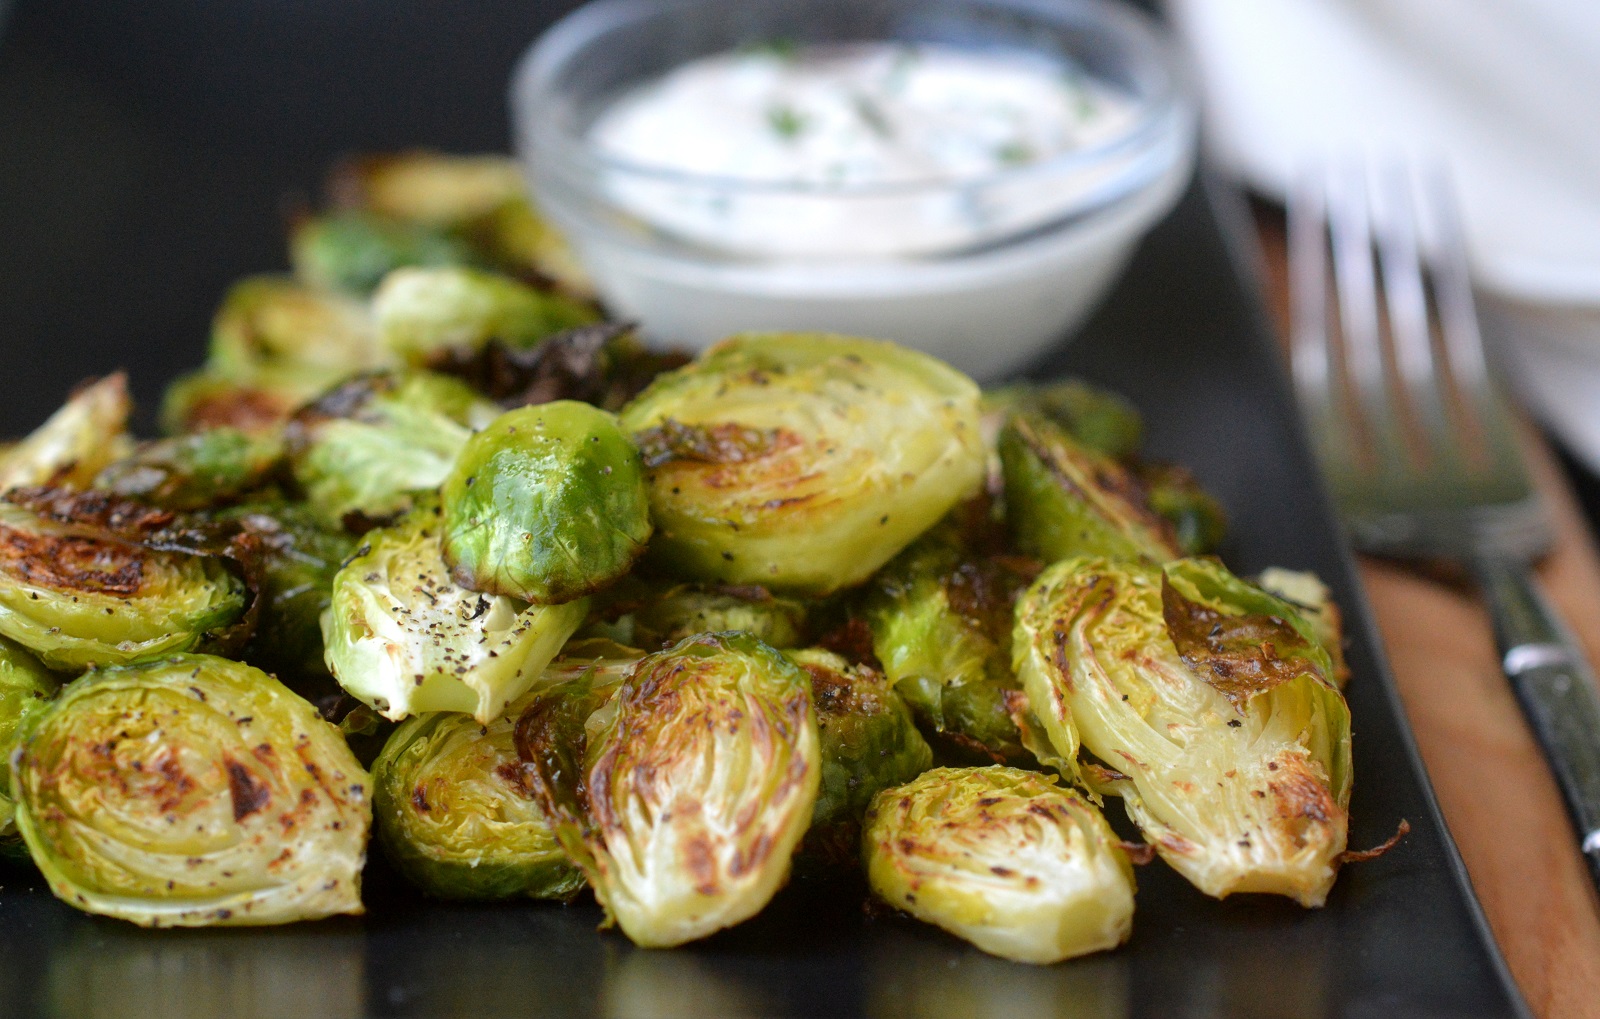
(1022, 868)
(604, 364)
(401, 636)
(455, 816)
(202, 470)
(423, 313)
(1307, 593)
(26, 686)
(352, 251)
(272, 327)
(1214, 703)
(69, 449)
(1097, 418)
(192, 791)
(803, 461)
(941, 620)
(1063, 499)
(698, 779)
(364, 449)
(683, 610)
(546, 504)
(868, 742)
(209, 399)
(78, 601)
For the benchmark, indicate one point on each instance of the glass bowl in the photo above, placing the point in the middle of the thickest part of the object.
(1042, 242)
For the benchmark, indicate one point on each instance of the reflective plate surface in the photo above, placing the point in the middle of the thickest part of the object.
(149, 150)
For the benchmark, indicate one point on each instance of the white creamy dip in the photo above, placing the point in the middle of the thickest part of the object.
(863, 150)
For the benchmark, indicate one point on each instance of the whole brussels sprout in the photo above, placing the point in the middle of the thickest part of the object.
(803, 461)
(455, 818)
(191, 791)
(352, 251)
(941, 620)
(69, 449)
(299, 557)
(198, 471)
(868, 742)
(209, 399)
(1063, 499)
(697, 780)
(1097, 418)
(682, 610)
(1022, 868)
(546, 504)
(423, 313)
(401, 636)
(1214, 702)
(25, 687)
(77, 601)
(274, 327)
(364, 449)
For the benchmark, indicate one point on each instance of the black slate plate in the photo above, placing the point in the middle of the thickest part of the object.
(144, 146)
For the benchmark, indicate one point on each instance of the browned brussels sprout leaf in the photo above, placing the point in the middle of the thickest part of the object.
(203, 470)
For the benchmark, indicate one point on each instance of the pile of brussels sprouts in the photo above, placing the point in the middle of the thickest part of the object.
(431, 549)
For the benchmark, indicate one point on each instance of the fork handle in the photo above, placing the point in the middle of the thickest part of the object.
(1556, 687)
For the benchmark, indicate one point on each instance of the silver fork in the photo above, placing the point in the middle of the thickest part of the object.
(1415, 439)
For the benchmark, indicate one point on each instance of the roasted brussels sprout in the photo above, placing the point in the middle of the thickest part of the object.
(70, 448)
(352, 251)
(1199, 523)
(1006, 859)
(1063, 499)
(454, 815)
(77, 601)
(941, 620)
(698, 779)
(205, 469)
(274, 329)
(364, 449)
(403, 638)
(1214, 703)
(209, 399)
(522, 241)
(1097, 418)
(1306, 592)
(803, 461)
(423, 313)
(868, 742)
(683, 610)
(191, 791)
(431, 188)
(603, 364)
(25, 686)
(546, 504)
(299, 557)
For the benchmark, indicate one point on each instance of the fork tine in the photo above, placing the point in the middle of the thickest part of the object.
(1311, 355)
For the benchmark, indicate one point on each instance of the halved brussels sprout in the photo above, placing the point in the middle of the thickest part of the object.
(422, 313)
(546, 504)
(803, 461)
(364, 449)
(198, 471)
(432, 188)
(69, 449)
(941, 620)
(698, 779)
(1063, 499)
(1199, 523)
(454, 815)
(1022, 868)
(868, 742)
(273, 327)
(683, 610)
(25, 687)
(352, 251)
(77, 601)
(209, 399)
(192, 791)
(1097, 418)
(299, 557)
(1306, 592)
(1214, 703)
(401, 636)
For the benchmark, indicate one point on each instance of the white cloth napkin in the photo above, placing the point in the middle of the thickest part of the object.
(1505, 92)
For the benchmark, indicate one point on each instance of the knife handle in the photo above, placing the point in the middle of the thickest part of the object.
(1556, 687)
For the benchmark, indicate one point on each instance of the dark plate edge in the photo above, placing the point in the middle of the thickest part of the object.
(1228, 206)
